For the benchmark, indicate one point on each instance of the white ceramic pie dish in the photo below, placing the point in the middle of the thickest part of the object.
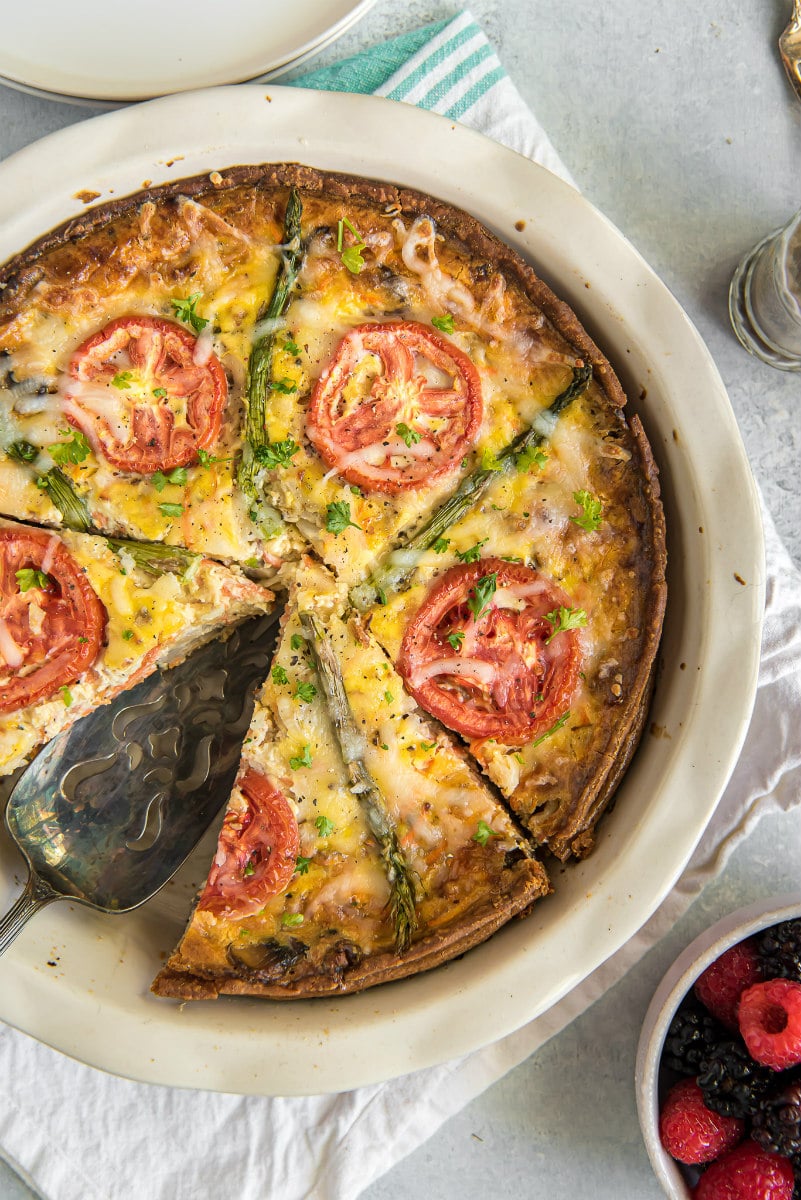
(675, 985)
(94, 1003)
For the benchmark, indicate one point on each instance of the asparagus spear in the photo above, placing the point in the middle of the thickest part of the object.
(399, 566)
(258, 385)
(157, 558)
(362, 784)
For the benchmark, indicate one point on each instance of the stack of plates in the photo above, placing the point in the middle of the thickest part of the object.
(135, 52)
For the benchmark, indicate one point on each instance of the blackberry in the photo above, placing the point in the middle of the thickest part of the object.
(732, 1083)
(779, 951)
(776, 1125)
(692, 1036)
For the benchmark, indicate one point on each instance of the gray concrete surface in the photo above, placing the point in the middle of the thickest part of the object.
(677, 122)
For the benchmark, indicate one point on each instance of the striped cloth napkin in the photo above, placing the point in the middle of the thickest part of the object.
(75, 1133)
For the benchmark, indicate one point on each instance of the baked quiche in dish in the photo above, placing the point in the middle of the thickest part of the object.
(359, 396)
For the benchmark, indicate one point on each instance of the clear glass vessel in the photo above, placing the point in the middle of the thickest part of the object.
(765, 298)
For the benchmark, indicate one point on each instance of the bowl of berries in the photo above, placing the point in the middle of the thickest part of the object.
(719, 1061)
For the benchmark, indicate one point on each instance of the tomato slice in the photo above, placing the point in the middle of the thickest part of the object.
(396, 407)
(51, 632)
(146, 394)
(256, 852)
(508, 677)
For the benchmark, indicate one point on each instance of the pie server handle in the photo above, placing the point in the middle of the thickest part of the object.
(37, 894)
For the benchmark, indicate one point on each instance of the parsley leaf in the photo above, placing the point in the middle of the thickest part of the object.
(276, 454)
(160, 393)
(565, 618)
(484, 833)
(297, 641)
(66, 695)
(301, 760)
(28, 578)
(479, 597)
(409, 436)
(285, 386)
(73, 451)
(127, 634)
(178, 476)
(337, 517)
(186, 311)
(302, 865)
(427, 745)
(205, 459)
(249, 869)
(122, 380)
(305, 692)
(456, 638)
(489, 460)
(171, 510)
(443, 323)
(290, 920)
(441, 545)
(532, 456)
(557, 725)
(388, 697)
(351, 256)
(22, 451)
(324, 827)
(473, 554)
(591, 510)
(279, 675)
(291, 346)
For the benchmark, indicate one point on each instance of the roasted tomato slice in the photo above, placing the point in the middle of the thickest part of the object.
(52, 623)
(397, 407)
(482, 656)
(146, 393)
(257, 850)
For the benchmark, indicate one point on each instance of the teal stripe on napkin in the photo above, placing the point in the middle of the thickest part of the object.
(370, 70)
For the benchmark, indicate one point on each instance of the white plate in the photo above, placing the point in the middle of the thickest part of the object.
(151, 48)
(94, 1003)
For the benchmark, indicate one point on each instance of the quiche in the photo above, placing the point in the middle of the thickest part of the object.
(357, 395)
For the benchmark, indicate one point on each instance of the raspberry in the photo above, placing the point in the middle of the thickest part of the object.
(691, 1132)
(747, 1173)
(720, 986)
(770, 1022)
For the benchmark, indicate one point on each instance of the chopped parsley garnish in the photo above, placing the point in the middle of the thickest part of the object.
(66, 695)
(532, 456)
(178, 476)
(443, 323)
(428, 745)
(489, 460)
(388, 697)
(73, 451)
(291, 346)
(285, 386)
(305, 692)
(122, 380)
(127, 634)
(337, 517)
(301, 760)
(484, 833)
(409, 436)
(29, 577)
(479, 597)
(357, 491)
(290, 920)
(186, 311)
(22, 451)
(324, 826)
(351, 256)
(279, 675)
(171, 510)
(160, 393)
(249, 869)
(276, 454)
(297, 641)
(83, 640)
(302, 865)
(591, 509)
(565, 618)
(557, 725)
(473, 554)
(441, 545)
(456, 638)
(253, 563)
(205, 459)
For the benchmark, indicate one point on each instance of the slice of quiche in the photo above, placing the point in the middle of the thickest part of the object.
(317, 887)
(81, 621)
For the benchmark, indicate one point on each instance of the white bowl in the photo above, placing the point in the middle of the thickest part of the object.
(678, 981)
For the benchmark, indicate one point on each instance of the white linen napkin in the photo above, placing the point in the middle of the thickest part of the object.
(75, 1133)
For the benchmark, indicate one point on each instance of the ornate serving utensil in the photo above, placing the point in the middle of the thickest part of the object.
(790, 48)
(107, 812)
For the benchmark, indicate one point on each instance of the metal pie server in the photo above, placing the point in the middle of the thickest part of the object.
(109, 810)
